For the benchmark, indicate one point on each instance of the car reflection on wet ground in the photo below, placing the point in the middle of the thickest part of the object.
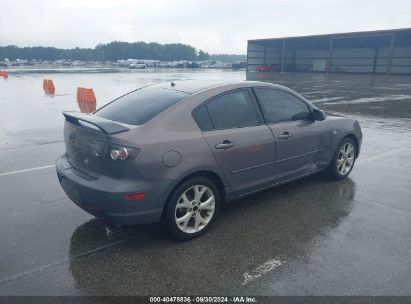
(249, 244)
(310, 237)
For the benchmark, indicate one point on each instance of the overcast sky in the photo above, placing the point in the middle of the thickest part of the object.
(214, 26)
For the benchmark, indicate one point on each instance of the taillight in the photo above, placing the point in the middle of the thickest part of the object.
(122, 153)
(119, 154)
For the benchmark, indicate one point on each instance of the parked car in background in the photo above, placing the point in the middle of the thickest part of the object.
(268, 68)
(175, 152)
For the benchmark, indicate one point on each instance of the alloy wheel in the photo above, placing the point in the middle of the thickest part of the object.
(345, 159)
(195, 209)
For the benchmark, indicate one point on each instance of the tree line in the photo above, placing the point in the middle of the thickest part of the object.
(228, 57)
(112, 51)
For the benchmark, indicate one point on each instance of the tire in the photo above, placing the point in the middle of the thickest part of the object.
(186, 216)
(343, 160)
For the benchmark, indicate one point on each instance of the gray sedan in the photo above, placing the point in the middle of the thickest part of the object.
(175, 152)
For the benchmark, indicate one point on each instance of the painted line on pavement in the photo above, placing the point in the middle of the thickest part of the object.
(41, 268)
(377, 157)
(26, 170)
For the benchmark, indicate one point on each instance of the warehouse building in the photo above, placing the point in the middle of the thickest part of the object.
(384, 52)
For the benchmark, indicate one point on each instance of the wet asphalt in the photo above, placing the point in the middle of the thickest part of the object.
(310, 237)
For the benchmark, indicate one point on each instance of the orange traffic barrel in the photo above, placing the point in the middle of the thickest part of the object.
(48, 87)
(90, 101)
(86, 100)
(4, 74)
(79, 93)
(80, 98)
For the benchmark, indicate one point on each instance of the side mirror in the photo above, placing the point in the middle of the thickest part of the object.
(318, 114)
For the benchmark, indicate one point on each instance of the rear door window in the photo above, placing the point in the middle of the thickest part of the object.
(138, 107)
(233, 110)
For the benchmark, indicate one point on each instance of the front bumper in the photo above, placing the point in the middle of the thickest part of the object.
(105, 197)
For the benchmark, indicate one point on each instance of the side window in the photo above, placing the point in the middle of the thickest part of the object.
(233, 110)
(281, 106)
(203, 119)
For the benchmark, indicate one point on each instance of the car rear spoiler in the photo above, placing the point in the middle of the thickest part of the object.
(105, 125)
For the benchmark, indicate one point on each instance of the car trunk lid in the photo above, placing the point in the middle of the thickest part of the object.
(87, 139)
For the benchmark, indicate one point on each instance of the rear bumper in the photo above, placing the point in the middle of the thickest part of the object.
(105, 197)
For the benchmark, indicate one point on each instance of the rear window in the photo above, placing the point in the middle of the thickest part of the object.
(138, 107)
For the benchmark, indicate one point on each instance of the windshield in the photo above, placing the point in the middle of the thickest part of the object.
(138, 107)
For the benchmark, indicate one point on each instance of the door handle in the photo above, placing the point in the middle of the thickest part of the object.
(285, 135)
(226, 144)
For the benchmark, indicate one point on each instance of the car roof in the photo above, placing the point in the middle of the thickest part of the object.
(195, 86)
(191, 86)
